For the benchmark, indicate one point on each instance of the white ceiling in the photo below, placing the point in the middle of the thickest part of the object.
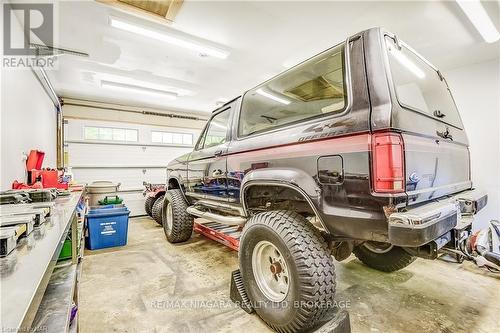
(261, 36)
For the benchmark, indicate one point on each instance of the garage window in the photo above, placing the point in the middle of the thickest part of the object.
(110, 134)
(174, 138)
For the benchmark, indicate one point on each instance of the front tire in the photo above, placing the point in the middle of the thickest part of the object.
(287, 270)
(177, 223)
(383, 256)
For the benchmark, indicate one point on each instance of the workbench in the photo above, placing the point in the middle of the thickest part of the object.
(35, 294)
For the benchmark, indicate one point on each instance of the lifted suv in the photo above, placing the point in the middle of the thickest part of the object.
(358, 149)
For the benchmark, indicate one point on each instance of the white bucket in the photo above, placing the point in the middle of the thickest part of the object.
(100, 189)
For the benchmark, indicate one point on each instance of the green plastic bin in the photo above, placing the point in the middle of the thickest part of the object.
(111, 200)
(66, 250)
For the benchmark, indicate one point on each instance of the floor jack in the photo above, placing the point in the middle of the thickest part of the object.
(229, 236)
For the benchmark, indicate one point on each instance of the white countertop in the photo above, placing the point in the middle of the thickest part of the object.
(25, 271)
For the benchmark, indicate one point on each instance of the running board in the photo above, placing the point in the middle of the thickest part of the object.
(223, 219)
(224, 234)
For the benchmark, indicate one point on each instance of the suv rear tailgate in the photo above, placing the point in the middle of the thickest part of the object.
(423, 109)
(434, 167)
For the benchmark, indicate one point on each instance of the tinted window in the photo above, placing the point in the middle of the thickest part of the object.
(418, 86)
(311, 89)
(216, 131)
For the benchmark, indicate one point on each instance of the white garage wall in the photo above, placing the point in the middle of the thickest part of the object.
(127, 163)
(27, 123)
(157, 155)
(28, 120)
(476, 89)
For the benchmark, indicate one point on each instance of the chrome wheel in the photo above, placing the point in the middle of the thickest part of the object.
(170, 216)
(378, 247)
(270, 271)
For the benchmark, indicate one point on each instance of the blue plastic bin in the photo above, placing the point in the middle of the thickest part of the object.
(107, 227)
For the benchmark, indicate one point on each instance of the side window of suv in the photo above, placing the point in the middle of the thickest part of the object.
(314, 88)
(216, 131)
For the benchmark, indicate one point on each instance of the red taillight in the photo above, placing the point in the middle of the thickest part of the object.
(388, 163)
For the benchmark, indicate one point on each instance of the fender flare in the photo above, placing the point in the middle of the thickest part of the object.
(295, 179)
(179, 181)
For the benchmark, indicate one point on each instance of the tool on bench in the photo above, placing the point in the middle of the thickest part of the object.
(13, 197)
(11, 229)
(7, 240)
(38, 215)
(38, 177)
(25, 223)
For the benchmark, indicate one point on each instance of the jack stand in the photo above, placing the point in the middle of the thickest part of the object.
(340, 323)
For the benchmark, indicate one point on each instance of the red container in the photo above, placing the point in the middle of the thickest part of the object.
(49, 178)
(35, 160)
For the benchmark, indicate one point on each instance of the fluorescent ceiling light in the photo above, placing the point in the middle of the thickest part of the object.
(480, 19)
(272, 96)
(169, 38)
(405, 61)
(134, 88)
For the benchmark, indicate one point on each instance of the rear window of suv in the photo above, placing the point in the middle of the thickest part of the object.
(419, 87)
(313, 88)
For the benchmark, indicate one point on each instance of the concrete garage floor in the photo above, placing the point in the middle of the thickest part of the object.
(153, 286)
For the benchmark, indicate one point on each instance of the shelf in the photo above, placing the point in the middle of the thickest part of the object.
(26, 271)
(54, 311)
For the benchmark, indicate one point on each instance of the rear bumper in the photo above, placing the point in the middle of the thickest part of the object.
(421, 225)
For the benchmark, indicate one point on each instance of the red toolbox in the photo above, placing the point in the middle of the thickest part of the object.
(50, 178)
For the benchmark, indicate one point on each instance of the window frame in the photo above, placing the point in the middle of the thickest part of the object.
(309, 120)
(111, 128)
(172, 144)
(392, 84)
(200, 144)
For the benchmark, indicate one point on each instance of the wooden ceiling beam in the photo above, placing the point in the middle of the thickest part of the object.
(173, 9)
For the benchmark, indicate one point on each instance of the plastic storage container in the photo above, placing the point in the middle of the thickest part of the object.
(66, 249)
(111, 200)
(107, 227)
(98, 190)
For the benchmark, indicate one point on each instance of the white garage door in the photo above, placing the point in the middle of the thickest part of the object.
(124, 153)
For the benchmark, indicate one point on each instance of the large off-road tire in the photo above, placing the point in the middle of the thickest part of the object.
(383, 256)
(177, 223)
(156, 212)
(148, 205)
(287, 270)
